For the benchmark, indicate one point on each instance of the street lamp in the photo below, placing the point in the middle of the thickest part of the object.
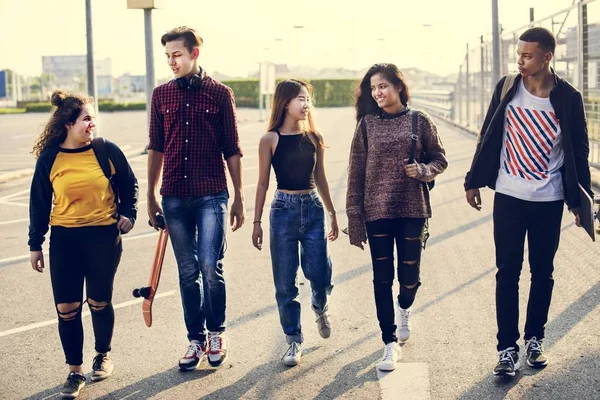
(147, 6)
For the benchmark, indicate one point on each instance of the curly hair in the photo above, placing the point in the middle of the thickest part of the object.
(68, 108)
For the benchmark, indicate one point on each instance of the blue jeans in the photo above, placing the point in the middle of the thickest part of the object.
(298, 220)
(197, 232)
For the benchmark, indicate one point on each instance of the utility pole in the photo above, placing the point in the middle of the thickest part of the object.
(91, 70)
(495, 43)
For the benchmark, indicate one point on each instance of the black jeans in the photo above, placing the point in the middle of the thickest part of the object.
(91, 254)
(407, 233)
(541, 221)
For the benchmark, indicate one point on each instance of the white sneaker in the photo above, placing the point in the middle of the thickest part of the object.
(293, 354)
(391, 355)
(323, 324)
(403, 321)
(195, 354)
(217, 353)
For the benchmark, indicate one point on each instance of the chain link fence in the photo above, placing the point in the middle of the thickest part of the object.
(577, 59)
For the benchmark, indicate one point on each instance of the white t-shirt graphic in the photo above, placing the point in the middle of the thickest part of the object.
(532, 151)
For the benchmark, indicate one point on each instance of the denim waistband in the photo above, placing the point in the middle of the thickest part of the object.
(296, 198)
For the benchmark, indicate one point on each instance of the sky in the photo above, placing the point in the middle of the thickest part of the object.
(427, 34)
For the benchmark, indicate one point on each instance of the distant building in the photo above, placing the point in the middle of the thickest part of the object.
(70, 73)
(131, 84)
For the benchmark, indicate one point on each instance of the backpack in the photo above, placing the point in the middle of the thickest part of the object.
(99, 147)
(508, 83)
(413, 146)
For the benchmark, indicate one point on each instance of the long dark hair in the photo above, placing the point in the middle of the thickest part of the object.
(285, 92)
(68, 108)
(364, 102)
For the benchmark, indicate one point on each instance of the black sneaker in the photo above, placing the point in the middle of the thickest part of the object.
(508, 363)
(73, 385)
(534, 350)
(102, 367)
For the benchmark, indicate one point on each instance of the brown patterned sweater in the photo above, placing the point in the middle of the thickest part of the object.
(378, 187)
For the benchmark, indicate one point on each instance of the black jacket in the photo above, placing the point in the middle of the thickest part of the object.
(40, 199)
(568, 107)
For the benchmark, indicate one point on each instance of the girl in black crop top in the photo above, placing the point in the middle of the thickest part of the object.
(297, 218)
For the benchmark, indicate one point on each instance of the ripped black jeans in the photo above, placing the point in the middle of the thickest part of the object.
(89, 254)
(407, 233)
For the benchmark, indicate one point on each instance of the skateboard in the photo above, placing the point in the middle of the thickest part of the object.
(597, 203)
(148, 292)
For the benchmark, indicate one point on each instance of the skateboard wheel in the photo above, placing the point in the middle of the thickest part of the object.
(160, 221)
(142, 292)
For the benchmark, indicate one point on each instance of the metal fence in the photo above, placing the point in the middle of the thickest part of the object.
(577, 59)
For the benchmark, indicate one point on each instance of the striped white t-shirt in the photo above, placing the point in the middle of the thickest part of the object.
(532, 151)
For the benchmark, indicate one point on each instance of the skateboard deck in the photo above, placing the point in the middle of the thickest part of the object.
(149, 291)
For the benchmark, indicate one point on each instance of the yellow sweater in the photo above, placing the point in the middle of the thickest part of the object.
(82, 194)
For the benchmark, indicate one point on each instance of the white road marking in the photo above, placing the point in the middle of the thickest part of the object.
(407, 381)
(10, 203)
(12, 196)
(83, 314)
(129, 395)
(14, 221)
(26, 257)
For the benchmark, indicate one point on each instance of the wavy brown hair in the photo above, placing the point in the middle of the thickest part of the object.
(68, 108)
(363, 100)
(190, 37)
(285, 92)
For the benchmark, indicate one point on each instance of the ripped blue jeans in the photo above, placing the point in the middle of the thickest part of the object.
(197, 232)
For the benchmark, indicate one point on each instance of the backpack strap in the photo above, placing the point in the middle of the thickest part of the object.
(414, 136)
(99, 146)
(508, 83)
(363, 128)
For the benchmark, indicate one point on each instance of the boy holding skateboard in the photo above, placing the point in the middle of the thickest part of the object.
(193, 130)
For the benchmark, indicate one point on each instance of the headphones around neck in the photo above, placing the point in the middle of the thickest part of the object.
(195, 81)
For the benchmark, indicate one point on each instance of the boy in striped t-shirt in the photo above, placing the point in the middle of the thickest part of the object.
(533, 150)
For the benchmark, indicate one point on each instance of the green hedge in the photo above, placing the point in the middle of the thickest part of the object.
(38, 107)
(112, 106)
(333, 92)
(327, 92)
(246, 92)
(12, 110)
(102, 106)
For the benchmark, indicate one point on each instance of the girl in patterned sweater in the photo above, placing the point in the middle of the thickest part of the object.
(388, 198)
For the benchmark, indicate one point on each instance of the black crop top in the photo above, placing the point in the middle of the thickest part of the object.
(294, 162)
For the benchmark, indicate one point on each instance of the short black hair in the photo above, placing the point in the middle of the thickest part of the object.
(544, 38)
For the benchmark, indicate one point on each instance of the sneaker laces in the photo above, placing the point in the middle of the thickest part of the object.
(73, 380)
(533, 345)
(292, 351)
(506, 356)
(193, 349)
(215, 343)
(323, 318)
(388, 352)
(98, 362)
(404, 314)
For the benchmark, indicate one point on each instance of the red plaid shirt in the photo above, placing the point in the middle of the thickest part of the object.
(196, 129)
